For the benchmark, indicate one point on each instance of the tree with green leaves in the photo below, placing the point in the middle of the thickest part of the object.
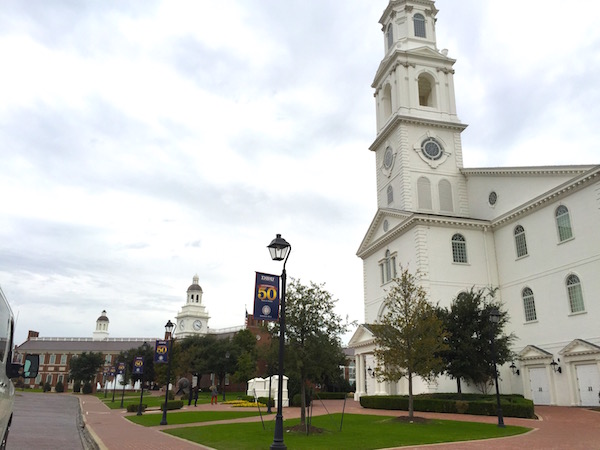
(244, 344)
(313, 349)
(84, 367)
(129, 356)
(207, 354)
(469, 353)
(410, 335)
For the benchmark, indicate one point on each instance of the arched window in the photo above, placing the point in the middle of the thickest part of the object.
(419, 22)
(520, 241)
(389, 34)
(426, 84)
(390, 194)
(529, 305)
(424, 193)
(387, 101)
(445, 191)
(563, 222)
(388, 267)
(575, 294)
(459, 248)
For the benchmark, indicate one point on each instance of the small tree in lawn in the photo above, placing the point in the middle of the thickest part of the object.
(410, 335)
(313, 331)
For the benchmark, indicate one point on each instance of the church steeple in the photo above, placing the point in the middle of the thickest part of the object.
(418, 147)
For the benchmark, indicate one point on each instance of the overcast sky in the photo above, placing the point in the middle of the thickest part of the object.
(144, 142)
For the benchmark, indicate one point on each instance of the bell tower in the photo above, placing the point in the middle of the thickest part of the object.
(418, 144)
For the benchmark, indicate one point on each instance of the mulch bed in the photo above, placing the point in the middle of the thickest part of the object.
(415, 419)
(302, 429)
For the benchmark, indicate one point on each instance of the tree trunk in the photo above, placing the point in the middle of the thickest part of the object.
(410, 396)
(302, 403)
(458, 386)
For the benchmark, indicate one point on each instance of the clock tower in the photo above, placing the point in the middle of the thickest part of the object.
(192, 320)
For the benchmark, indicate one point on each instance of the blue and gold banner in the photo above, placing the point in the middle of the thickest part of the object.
(266, 297)
(120, 368)
(161, 351)
(112, 371)
(138, 365)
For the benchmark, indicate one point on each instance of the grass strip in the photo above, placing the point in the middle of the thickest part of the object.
(360, 432)
(176, 418)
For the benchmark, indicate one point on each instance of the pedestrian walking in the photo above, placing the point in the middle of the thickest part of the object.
(214, 392)
(196, 389)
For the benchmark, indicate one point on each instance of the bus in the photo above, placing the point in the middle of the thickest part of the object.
(10, 370)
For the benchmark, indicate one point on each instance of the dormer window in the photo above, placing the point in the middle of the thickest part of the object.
(419, 22)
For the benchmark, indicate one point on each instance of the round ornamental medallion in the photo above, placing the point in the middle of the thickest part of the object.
(388, 158)
(432, 149)
(493, 198)
(266, 310)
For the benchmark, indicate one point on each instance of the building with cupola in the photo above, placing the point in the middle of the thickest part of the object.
(192, 320)
(528, 231)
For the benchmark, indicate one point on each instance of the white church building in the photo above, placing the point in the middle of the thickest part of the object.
(529, 231)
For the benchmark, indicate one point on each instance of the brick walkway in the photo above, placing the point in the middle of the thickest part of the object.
(559, 428)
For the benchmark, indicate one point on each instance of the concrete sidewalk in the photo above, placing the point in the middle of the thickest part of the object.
(559, 428)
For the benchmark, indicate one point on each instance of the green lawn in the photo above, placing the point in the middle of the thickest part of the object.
(153, 399)
(359, 432)
(175, 418)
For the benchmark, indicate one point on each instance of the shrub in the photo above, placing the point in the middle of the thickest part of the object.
(77, 386)
(172, 404)
(296, 400)
(47, 387)
(330, 395)
(60, 387)
(171, 395)
(265, 401)
(134, 408)
(87, 387)
(512, 405)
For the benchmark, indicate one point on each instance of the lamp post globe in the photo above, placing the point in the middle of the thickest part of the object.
(280, 249)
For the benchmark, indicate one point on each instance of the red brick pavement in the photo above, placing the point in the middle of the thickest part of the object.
(558, 428)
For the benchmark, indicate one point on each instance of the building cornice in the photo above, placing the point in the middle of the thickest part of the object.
(416, 219)
(552, 196)
(527, 171)
(412, 120)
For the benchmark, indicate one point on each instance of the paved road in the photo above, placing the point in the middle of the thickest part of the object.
(45, 422)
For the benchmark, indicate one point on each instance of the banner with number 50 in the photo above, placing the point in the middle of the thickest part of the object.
(266, 297)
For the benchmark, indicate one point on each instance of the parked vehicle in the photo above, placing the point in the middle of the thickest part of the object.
(10, 370)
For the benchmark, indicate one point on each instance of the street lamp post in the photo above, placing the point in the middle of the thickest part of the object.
(145, 347)
(225, 377)
(280, 250)
(168, 330)
(270, 378)
(494, 319)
